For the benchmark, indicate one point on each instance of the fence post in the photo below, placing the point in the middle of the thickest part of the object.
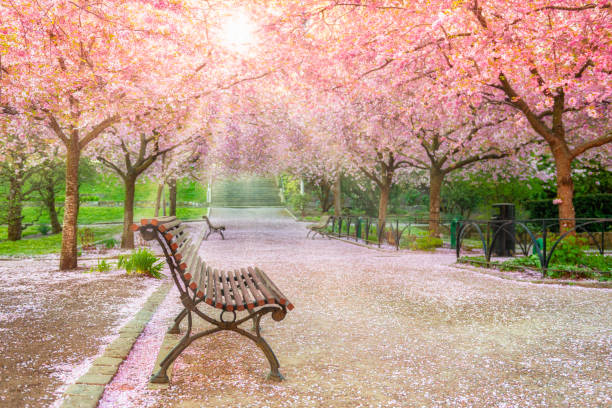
(453, 233)
(544, 253)
(397, 236)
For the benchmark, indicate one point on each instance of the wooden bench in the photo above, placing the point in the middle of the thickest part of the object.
(319, 227)
(212, 229)
(231, 292)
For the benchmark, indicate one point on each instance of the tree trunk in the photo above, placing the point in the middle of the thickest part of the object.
(68, 257)
(383, 203)
(15, 206)
(435, 187)
(158, 197)
(338, 196)
(324, 196)
(565, 190)
(172, 196)
(127, 238)
(56, 228)
(164, 205)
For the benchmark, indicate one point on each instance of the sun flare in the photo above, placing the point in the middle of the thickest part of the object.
(238, 32)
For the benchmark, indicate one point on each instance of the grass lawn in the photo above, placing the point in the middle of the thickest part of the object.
(51, 243)
(92, 215)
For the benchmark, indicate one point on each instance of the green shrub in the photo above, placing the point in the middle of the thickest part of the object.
(44, 229)
(102, 266)
(141, 261)
(586, 206)
(570, 251)
(427, 243)
(598, 262)
(298, 202)
(519, 263)
(86, 198)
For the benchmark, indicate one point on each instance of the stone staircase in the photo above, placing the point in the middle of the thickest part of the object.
(246, 192)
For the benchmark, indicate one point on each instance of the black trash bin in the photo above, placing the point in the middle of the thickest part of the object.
(505, 242)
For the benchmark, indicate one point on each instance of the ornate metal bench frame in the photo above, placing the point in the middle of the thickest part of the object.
(212, 229)
(191, 303)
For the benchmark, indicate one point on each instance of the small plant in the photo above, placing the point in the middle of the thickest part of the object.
(102, 266)
(44, 229)
(141, 261)
(520, 263)
(110, 243)
(427, 243)
(86, 235)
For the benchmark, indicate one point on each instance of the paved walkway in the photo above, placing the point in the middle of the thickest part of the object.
(385, 329)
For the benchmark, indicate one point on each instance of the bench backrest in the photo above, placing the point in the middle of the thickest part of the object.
(323, 221)
(250, 287)
(208, 221)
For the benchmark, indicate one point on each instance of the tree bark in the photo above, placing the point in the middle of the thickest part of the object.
(15, 206)
(565, 190)
(436, 177)
(324, 190)
(338, 196)
(56, 228)
(172, 196)
(68, 256)
(160, 190)
(127, 237)
(383, 203)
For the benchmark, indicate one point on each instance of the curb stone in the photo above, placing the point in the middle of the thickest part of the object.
(88, 389)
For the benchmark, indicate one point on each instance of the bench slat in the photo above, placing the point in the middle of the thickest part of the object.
(256, 294)
(191, 253)
(181, 251)
(175, 233)
(210, 290)
(282, 299)
(195, 273)
(178, 240)
(160, 220)
(217, 287)
(235, 290)
(227, 293)
(202, 280)
(247, 298)
(166, 226)
(268, 296)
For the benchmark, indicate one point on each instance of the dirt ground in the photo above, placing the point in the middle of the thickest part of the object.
(52, 325)
(383, 329)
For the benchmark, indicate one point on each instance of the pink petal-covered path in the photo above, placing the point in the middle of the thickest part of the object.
(53, 324)
(374, 328)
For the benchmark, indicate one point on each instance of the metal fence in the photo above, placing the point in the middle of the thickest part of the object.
(539, 237)
(397, 232)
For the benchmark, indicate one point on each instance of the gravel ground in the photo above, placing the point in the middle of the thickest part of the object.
(52, 325)
(375, 328)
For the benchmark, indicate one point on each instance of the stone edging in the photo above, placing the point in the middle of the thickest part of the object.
(88, 389)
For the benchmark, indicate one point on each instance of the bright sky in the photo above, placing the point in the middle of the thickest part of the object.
(238, 32)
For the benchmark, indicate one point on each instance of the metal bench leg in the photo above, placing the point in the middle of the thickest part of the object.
(175, 329)
(161, 377)
(265, 347)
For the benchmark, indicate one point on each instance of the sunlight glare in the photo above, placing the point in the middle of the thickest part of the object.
(238, 32)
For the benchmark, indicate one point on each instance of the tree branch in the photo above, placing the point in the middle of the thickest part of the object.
(577, 151)
(99, 128)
